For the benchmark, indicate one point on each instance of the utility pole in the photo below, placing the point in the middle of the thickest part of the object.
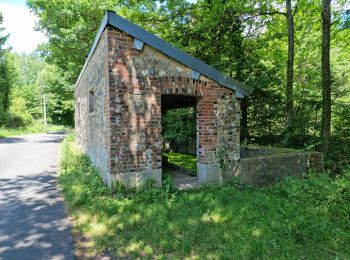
(44, 101)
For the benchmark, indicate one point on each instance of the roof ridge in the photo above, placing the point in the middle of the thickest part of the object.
(111, 18)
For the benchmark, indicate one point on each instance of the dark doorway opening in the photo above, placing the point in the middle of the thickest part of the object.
(179, 133)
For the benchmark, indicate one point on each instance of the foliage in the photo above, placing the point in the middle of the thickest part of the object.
(306, 218)
(36, 78)
(7, 76)
(20, 117)
(71, 31)
(244, 39)
(4, 77)
(28, 67)
(179, 127)
(60, 104)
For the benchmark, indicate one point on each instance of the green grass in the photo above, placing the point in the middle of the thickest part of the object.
(270, 149)
(297, 219)
(35, 128)
(186, 161)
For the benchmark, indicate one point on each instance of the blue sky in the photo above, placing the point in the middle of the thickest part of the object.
(19, 22)
(14, 2)
(23, 37)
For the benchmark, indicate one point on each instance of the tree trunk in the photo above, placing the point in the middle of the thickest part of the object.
(326, 75)
(290, 66)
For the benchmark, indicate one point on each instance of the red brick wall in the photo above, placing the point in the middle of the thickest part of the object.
(137, 79)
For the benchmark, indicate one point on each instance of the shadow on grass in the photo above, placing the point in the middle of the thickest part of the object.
(212, 222)
(289, 220)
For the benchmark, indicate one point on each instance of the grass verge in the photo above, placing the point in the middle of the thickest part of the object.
(299, 219)
(32, 129)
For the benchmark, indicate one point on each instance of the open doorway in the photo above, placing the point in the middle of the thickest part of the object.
(179, 133)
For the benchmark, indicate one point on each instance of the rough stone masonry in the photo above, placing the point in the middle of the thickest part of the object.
(119, 108)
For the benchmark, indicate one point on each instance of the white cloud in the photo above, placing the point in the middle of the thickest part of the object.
(19, 22)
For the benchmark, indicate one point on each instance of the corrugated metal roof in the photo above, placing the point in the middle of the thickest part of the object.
(168, 49)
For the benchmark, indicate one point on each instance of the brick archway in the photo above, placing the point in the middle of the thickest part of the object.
(215, 107)
(128, 70)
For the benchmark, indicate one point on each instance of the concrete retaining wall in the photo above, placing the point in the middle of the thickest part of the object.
(265, 170)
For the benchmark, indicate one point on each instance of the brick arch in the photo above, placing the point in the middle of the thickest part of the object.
(180, 85)
(217, 122)
(123, 137)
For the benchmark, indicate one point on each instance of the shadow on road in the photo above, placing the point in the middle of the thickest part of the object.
(50, 141)
(10, 140)
(33, 223)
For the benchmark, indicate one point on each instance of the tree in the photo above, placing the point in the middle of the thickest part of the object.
(326, 74)
(246, 40)
(71, 26)
(290, 66)
(7, 73)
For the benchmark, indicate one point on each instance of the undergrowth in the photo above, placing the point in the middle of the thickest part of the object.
(298, 218)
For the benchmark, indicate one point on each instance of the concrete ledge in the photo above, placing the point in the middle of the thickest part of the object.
(137, 179)
(265, 170)
(209, 173)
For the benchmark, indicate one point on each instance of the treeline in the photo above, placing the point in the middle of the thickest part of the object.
(294, 53)
(24, 80)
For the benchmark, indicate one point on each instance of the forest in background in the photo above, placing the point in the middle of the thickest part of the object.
(276, 47)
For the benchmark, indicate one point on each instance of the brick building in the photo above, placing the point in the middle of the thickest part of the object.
(129, 78)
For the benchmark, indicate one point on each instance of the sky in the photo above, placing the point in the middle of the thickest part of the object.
(19, 22)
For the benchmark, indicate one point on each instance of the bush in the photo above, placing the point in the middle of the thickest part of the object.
(4, 118)
(20, 116)
(17, 116)
(179, 129)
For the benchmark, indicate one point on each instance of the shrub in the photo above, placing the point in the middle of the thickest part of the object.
(17, 116)
(20, 116)
(4, 118)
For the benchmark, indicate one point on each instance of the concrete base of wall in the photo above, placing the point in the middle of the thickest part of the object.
(138, 179)
(266, 170)
(255, 171)
(107, 179)
(209, 173)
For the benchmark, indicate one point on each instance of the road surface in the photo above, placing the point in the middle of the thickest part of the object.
(33, 223)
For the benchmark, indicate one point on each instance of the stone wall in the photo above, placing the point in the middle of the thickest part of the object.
(265, 170)
(93, 129)
(137, 79)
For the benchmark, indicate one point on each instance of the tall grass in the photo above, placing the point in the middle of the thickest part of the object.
(299, 219)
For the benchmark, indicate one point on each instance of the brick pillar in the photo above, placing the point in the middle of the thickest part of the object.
(217, 133)
(135, 115)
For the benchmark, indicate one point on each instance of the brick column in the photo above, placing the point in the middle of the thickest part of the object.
(217, 133)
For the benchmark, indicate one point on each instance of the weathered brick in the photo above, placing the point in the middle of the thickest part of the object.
(123, 136)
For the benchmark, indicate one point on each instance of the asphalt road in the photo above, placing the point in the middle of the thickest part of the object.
(33, 223)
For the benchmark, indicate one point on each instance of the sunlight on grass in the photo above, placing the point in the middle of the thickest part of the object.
(213, 218)
(306, 218)
(186, 161)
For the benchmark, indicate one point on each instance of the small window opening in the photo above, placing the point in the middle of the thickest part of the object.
(91, 101)
(78, 110)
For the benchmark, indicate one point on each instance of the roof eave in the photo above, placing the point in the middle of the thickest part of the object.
(168, 49)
